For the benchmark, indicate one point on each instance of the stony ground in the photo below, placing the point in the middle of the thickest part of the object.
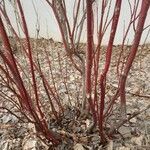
(134, 135)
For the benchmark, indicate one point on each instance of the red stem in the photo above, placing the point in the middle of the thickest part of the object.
(89, 57)
(30, 57)
(107, 64)
(143, 13)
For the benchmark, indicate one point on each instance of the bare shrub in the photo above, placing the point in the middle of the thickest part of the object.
(93, 65)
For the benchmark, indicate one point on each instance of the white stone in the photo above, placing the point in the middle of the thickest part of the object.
(8, 117)
(123, 148)
(137, 140)
(133, 120)
(110, 145)
(29, 144)
(78, 146)
(87, 121)
(4, 145)
(31, 127)
(72, 78)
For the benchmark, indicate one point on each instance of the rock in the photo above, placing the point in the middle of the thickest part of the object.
(78, 129)
(137, 140)
(31, 127)
(4, 145)
(78, 146)
(88, 122)
(29, 144)
(125, 131)
(8, 117)
(96, 140)
(110, 145)
(133, 120)
(72, 77)
(84, 140)
(123, 148)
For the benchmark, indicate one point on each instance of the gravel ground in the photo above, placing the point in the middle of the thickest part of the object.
(135, 135)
